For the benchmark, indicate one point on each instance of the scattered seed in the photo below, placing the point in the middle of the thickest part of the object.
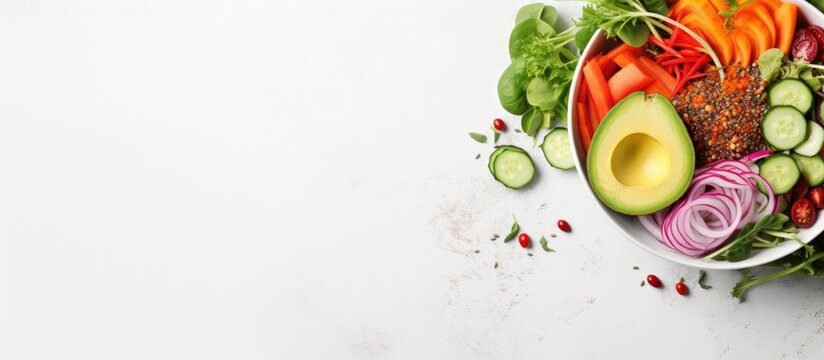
(643, 282)
(518, 131)
(477, 251)
(528, 254)
(478, 156)
(635, 268)
(553, 235)
(496, 264)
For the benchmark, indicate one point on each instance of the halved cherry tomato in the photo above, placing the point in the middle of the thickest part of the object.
(816, 196)
(800, 189)
(803, 213)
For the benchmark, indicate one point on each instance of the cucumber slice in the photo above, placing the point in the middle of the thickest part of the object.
(815, 139)
(498, 150)
(512, 167)
(812, 167)
(792, 92)
(556, 149)
(784, 127)
(780, 171)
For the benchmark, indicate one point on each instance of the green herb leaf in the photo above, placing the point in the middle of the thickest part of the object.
(481, 138)
(748, 281)
(701, 275)
(740, 246)
(495, 135)
(544, 245)
(513, 231)
(531, 121)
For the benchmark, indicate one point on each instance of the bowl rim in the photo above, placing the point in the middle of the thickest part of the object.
(787, 247)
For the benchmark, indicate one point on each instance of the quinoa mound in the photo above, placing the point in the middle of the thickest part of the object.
(723, 118)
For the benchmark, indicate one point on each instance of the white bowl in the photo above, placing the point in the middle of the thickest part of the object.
(629, 224)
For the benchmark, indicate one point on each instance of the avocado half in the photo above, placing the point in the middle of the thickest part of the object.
(641, 158)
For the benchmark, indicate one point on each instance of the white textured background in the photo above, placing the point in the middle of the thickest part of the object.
(293, 180)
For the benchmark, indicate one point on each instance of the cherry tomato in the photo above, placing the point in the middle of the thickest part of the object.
(803, 213)
(800, 189)
(564, 226)
(682, 288)
(816, 196)
(653, 281)
(523, 239)
(499, 124)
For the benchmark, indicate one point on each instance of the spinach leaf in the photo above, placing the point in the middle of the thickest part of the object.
(529, 11)
(512, 88)
(531, 121)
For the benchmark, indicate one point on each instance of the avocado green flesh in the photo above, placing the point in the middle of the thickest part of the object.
(641, 158)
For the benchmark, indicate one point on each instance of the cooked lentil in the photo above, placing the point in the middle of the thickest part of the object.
(723, 118)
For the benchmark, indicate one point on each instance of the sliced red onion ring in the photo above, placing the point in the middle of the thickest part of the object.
(723, 197)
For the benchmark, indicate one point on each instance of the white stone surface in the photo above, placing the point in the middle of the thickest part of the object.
(293, 180)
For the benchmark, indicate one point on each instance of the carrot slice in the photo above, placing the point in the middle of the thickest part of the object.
(593, 118)
(720, 5)
(664, 88)
(785, 18)
(743, 47)
(771, 5)
(584, 130)
(608, 67)
(701, 16)
(659, 74)
(624, 48)
(755, 30)
(598, 88)
(627, 81)
(756, 10)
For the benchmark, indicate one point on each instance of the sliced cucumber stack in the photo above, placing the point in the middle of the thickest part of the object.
(784, 127)
(815, 139)
(557, 150)
(791, 92)
(812, 167)
(511, 166)
(781, 171)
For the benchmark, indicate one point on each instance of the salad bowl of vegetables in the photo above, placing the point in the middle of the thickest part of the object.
(697, 126)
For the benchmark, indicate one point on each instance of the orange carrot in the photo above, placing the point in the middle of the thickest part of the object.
(624, 48)
(757, 10)
(754, 29)
(771, 5)
(608, 67)
(629, 80)
(584, 130)
(592, 117)
(743, 47)
(785, 18)
(659, 74)
(598, 88)
(664, 88)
